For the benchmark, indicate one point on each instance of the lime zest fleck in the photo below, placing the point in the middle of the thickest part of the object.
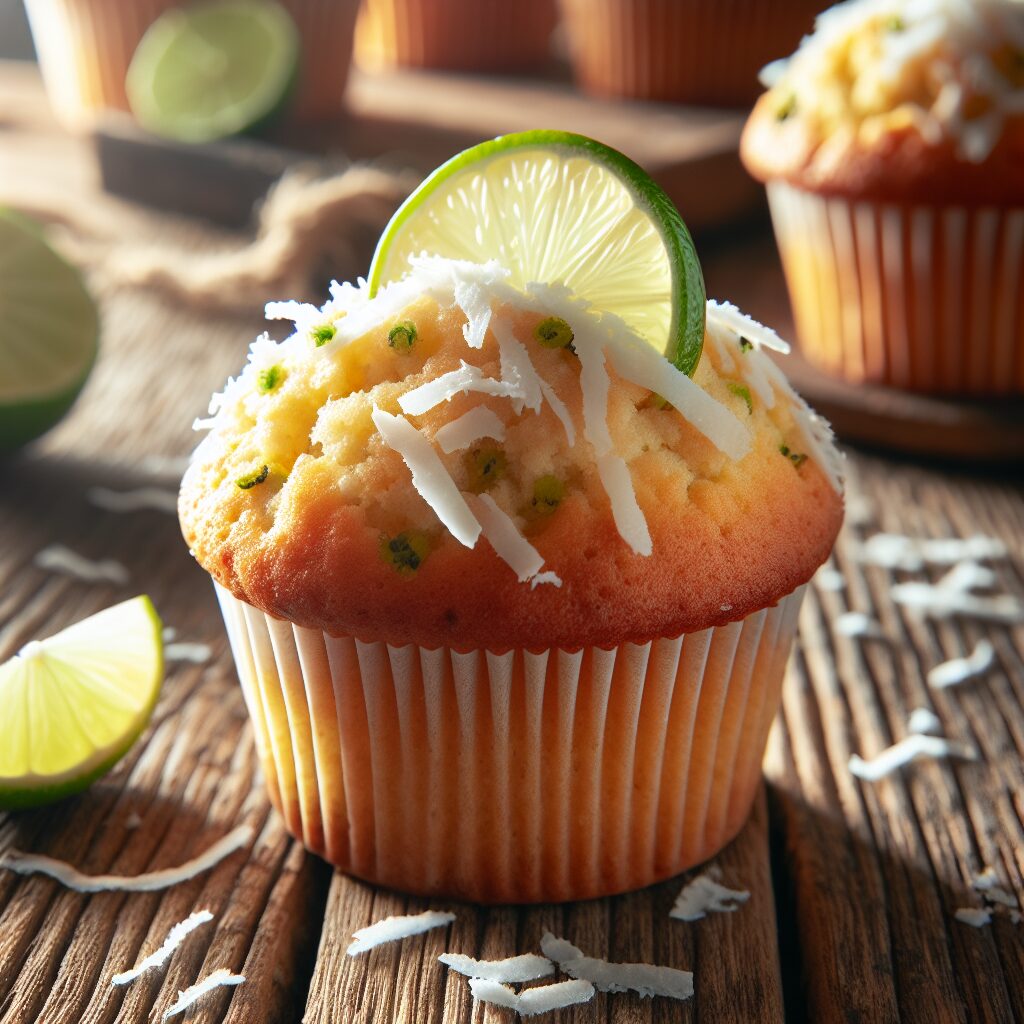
(269, 378)
(895, 24)
(554, 332)
(403, 336)
(406, 551)
(257, 476)
(742, 391)
(323, 334)
(787, 108)
(485, 466)
(548, 492)
(797, 458)
(746, 345)
(656, 401)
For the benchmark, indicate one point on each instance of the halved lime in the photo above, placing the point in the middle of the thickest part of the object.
(72, 706)
(49, 331)
(555, 207)
(213, 69)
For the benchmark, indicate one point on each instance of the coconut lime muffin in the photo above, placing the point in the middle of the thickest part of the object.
(510, 593)
(892, 146)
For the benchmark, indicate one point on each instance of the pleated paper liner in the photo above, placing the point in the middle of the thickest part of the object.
(694, 51)
(520, 777)
(85, 47)
(458, 35)
(925, 299)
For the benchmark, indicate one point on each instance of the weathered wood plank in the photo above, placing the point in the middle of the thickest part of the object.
(733, 956)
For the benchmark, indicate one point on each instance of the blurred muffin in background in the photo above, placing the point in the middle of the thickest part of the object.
(85, 47)
(892, 146)
(686, 51)
(458, 35)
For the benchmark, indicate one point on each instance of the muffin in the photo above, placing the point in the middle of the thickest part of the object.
(85, 46)
(684, 51)
(457, 35)
(892, 148)
(482, 659)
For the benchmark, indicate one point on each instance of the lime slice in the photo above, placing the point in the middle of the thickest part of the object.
(49, 330)
(213, 69)
(555, 207)
(72, 706)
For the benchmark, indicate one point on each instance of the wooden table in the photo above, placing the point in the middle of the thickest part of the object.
(854, 886)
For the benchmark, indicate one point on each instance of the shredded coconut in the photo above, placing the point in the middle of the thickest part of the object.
(394, 929)
(198, 654)
(703, 896)
(508, 543)
(943, 602)
(517, 368)
(924, 721)
(533, 1001)
(911, 554)
(976, 917)
(726, 315)
(859, 624)
(545, 577)
(470, 298)
(154, 498)
(220, 978)
(644, 979)
(966, 576)
(460, 433)
(559, 408)
(513, 970)
(457, 382)
(31, 864)
(830, 579)
(960, 670)
(429, 476)
(175, 937)
(629, 517)
(987, 883)
(913, 748)
(57, 558)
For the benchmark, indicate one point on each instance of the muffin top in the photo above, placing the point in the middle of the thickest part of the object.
(458, 462)
(919, 100)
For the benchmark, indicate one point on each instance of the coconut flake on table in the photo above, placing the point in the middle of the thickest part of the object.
(460, 433)
(830, 579)
(645, 979)
(465, 379)
(508, 543)
(429, 476)
(914, 747)
(924, 721)
(61, 559)
(968, 575)
(943, 602)
(961, 670)
(32, 864)
(976, 917)
(702, 896)
(533, 1001)
(510, 971)
(143, 498)
(175, 937)
(196, 653)
(859, 624)
(911, 554)
(987, 883)
(396, 928)
(220, 978)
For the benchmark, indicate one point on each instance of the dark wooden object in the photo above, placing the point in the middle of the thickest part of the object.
(854, 886)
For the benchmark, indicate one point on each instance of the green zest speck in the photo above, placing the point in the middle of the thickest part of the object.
(787, 108)
(797, 458)
(405, 553)
(656, 401)
(554, 332)
(484, 467)
(548, 492)
(745, 345)
(895, 24)
(402, 336)
(269, 378)
(252, 479)
(742, 391)
(323, 334)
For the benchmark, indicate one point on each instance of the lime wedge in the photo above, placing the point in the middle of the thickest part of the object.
(213, 69)
(49, 330)
(72, 706)
(554, 207)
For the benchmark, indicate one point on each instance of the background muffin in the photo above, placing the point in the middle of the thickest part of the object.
(573, 701)
(892, 144)
(687, 51)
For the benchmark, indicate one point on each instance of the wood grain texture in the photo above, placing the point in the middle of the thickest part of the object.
(859, 881)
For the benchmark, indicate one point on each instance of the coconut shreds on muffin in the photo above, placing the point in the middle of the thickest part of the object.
(394, 431)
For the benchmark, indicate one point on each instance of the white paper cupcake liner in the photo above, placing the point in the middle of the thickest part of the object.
(85, 46)
(515, 777)
(922, 298)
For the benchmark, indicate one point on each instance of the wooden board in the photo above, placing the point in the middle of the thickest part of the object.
(854, 885)
(418, 120)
